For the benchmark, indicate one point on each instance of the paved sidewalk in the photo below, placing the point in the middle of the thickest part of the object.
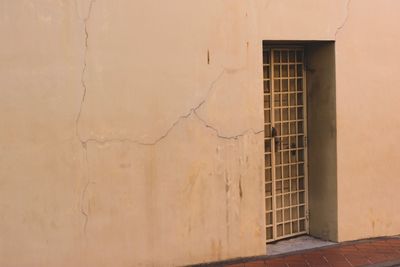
(373, 252)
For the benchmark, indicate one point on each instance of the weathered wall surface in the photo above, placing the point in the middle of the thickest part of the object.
(131, 133)
(368, 83)
(131, 130)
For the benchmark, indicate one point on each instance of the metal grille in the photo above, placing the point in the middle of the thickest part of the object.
(285, 143)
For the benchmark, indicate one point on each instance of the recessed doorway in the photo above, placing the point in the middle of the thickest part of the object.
(300, 140)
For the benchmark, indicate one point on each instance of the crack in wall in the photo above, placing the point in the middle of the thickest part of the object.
(345, 19)
(192, 112)
(234, 137)
(83, 82)
(84, 212)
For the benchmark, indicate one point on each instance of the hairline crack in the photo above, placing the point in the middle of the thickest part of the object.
(345, 19)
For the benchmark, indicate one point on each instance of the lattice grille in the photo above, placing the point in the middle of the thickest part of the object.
(285, 150)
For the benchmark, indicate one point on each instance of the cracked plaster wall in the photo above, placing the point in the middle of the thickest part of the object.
(132, 130)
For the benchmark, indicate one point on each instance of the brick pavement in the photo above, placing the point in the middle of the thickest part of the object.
(373, 252)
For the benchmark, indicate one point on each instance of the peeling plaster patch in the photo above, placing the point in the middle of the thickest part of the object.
(45, 13)
(345, 19)
(227, 196)
(233, 70)
(267, 4)
(227, 183)
(216, 249)
(240, 188)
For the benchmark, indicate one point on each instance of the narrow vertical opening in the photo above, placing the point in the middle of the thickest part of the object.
(300, 140)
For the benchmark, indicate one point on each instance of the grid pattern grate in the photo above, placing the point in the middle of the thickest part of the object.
(285, 146)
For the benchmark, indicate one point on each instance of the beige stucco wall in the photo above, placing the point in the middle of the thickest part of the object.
(131, 129)
(368, 95)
